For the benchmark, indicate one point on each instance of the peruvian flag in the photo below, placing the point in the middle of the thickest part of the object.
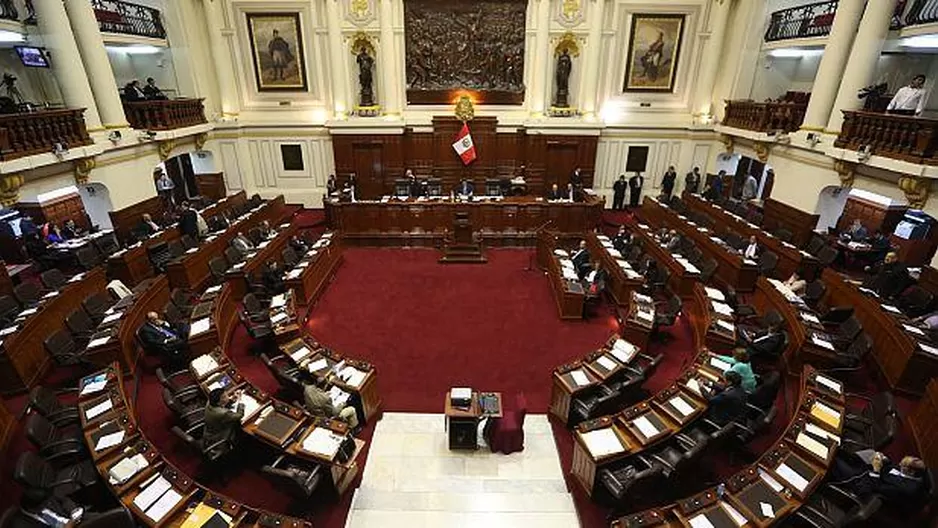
(464, 146)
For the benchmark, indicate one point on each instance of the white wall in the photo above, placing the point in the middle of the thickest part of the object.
(37, 85)
(97, 201)
(128, 67)
(777, 75)
(203, 162)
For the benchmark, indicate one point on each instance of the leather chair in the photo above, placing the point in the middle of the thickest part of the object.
(814, 292)
(254, 308)
(193, 438)
(871, 426)
(113, 518)
(633, 482)
(815, 244)
(88, 258)
(81, 326)
(187, 414)
(756, 422)
(835, 507)
(768, 261)
(591, 404)
(255, 235)
(180, 384)
(852, 359)
(506, 434)
(667, 315)
(290, 258)
(255, 201)
(188, 242)
(740, 311)
(33, 473)
(218, 267)
(63, 350)
(300, 479)
(916, 301)
(707, 269)
(826, 256)
(676, 459)
(233, 256)
(28, 293)
(95, 305)
(635, 256)
(175, 249)
(53, 279)
(182, 300)
(258, 330)
(766, 390)
(106, 244)
(45, 402)
(289, 377)
(54, 443)
(847, 332)
(9, 309)
(783, 234)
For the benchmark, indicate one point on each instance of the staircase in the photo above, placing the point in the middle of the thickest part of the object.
(412, 479)
(463, 254)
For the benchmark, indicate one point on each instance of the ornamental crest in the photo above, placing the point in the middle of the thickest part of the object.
(360, 12)
(571, 13)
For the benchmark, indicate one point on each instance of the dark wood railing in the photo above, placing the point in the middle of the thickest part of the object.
(164, 114)
(8, 10)
(32, 133)
(811, 20)
(765, 117)
(115, 16)
(907, 138)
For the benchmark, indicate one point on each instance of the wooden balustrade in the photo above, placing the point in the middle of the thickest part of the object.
(765, 117)
(907, 138)
(166, 114)
(26, 134)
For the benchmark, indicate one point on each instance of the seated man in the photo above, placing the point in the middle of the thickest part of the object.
(595, 279)
(622, 240)
(752, 249)
(299, 245)
(572, 194)
(796, 284)
(317, 401)
(554, 193)
(147, 226)
(164, 339)
(465, 188)
(728, 404)
(241, 243)
(673, 242)
(221, 422)
(581, 260)
(891, 276)
(71, 230)
(764, 344)
(868, 473)
(273, 278)
(857, 232)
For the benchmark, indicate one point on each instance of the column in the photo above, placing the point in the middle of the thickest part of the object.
(540, 88)
(590, 76)
(831, 68)
(66, 60)
(339, 58)
(867, 46)
(221, 58)
(388, 63)
(710, 62)
(97, 65)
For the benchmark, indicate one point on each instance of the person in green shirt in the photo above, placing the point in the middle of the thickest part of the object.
(739, 362)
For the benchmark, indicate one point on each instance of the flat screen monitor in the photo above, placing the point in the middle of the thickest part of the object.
(32, 56)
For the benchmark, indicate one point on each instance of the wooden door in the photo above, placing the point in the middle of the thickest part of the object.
(367, 162)
(561, 160)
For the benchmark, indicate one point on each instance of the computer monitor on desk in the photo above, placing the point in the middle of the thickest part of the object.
(434, 187)
(493, 187)
(401, 187)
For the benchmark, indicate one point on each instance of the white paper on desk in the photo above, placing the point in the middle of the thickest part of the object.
(913, 329)
(682, 406)
(737, 517)
(204, 364)
(816, 448)
(643, 298)
(318, 365)
(278, 300)
(750, 262)
(304, 264)
(792, 477)
(767, 510)
(569, 274)
(93, 387)
(833, 385)
(352, 376)
(615, 253)
(27, 312)
(602, 442)
(643, 226)
(810, 317)
(191, 250)
(109, 440)
(602, 237)
(238, 266)
(323, 442)
(728, 326)
(213, 289)
(645, 426)
(629, 274)
(99, 341)
(647, 316)
(295, 274)
(50, 295)
(891, 309)
(339, 397)
(153, 491)
(9, 330)
(624, 351)
(822, 343)
(112, 317)
(561, 253)
(700, 521)
(690, 267)
(566, 263)
(693, 385)
(770, 481)
(200, 327)
(263, 244)
(300, 354)
(820, 433)
(606, 363)
(279, 318)
(714, 294)
(166, 503)
(824, 409)
(722, 308)
(928, 348)
(99, 409)
(606, 243)
(579, 377)
(250, 404)
(719, 364)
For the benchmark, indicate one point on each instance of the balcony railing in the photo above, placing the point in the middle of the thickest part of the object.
(115, 16)
(907, 138)
(921, 12)
(32, 133)
(164, 114)
(785, 116)
(8, 10)
(811, 20)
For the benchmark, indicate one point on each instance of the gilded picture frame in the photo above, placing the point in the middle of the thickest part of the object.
(277, 52)
(653, 52)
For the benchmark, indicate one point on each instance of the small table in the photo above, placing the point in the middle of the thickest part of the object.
(463, 424)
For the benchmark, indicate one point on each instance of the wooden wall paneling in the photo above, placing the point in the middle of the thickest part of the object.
(124, 220)
(211, 185)
(58, 210)
(929, 279)
(801, 224)
(873, 216)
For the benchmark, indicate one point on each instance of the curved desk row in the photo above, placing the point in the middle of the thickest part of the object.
(157, 493)
(308, 279)
(684, 275)
(621, 280)
(732, 269)
(567, 288)
(783, 478)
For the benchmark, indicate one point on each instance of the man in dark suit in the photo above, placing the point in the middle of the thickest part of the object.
(147, 226)
(189, 221)
(554, 193)
(576, 178)
(891, 276)
(581, 259)
(765, 344)
(667, 183)
(618, 193)
(730, 403)
(413, 185)
(222, 423)
(465, 188)
(164, 339)
(273, 278)
(868, 473)
(635, 189)
(132, 91)
(152, 91)
(622, 240)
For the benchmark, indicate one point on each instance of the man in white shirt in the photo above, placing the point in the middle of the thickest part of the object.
(909, 99)
(750, 188)
(752, 250)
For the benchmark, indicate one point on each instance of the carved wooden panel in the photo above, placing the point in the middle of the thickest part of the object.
(464, 45)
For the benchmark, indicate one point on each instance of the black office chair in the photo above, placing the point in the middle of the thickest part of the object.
(835, 507)
(288, 376)
(678, 458)
(55, 444)
(259, 331)
(707, 269)
(255, 235)
(846, 332)
(180, 384)
(33, 473)
(666, 316)
(88, 258)
(28, 294)
(290, 258)
(81, 327)
(766, 391)
(45, 402)
(768, 261)
(916, 301)
(95, 305)
(814, 292)
(591, 404)
(826, 256)
(741, 311)
(233, 256)
(183, 301)
(9, 309)
(193, 438)
(218, 268)
(783, 234)
(63, 350)
(299, 478)
(175, 249)
(852, 358)
(635, 482)
(815, 244)
(187, 414)
(872, 425)
(53, 279)
(188, 242)
(106, 244)
(756, 422)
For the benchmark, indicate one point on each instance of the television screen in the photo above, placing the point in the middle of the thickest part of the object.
(31, 56)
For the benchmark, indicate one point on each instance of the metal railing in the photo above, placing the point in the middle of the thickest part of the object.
(806, 21)
(8, 10)
(115, 16)
(921, 12)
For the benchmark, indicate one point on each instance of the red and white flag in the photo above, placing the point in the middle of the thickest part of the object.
(464, 146)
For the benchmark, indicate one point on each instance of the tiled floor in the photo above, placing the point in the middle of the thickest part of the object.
(413, 480)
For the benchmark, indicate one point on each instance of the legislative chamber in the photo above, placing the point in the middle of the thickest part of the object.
(504, 263)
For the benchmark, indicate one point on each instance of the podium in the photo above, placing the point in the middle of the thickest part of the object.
(462, 248)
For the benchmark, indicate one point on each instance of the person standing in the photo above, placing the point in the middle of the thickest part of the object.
(667, 183)
(618, 193)
(165, 187)
(576, 178)
(750, 188)
(635, 189)
(692, 181)
(909, 99)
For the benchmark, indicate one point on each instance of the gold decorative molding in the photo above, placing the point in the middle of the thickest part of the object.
(83, 168)
(728, 142)
(846, 171)
(762, 150)
(464, 109)
(569, 43)
(165, 148)
(359, 8)
(200, 140)
(359, 40)
(10, 189)
(916, 190)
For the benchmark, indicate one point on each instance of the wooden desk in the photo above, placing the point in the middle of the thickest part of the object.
(905, 366)
(463, 424)
(682, 279)
(268, 250)
(509, 222)
(568, 294)
(799, 351)
(790, 258)
(620, 283)
(923, 423)
(732, 269)
(23, 359)
(309, 280)
(7, 426)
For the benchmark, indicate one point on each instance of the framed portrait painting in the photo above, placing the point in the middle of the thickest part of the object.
(277, 50)
(654, 48)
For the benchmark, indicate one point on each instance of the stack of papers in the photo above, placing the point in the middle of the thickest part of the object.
(323, 442)
(109, 440)
(913, 329)
(339, 397)
(213, 289)
(719, 364)
(693, 385)
(278, 318)
(251, 405)
(700, 521)
(300, 354)
(722, 308)
(99, 341)
(645, 426)
(829, 383)
(569, 274)
(579, 377)
(203, 364)
(200, 327)
(112, 317)
(352, 376)
(714, 294)
(99, 409)
(813, 446)
(278, 300)
(561, 253)
(94, 385)
(602, 442)
(460, 393)
(606, 363)
(319, 364)
(810, 317)
(792, 477)
(814, 430)
(204, 516)
(646, 316)
(682, 406)
(825, 414)
(821, 342)
(725, 325)
(124, 470)
(294, 274)
(624, 351)
(928, 348)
